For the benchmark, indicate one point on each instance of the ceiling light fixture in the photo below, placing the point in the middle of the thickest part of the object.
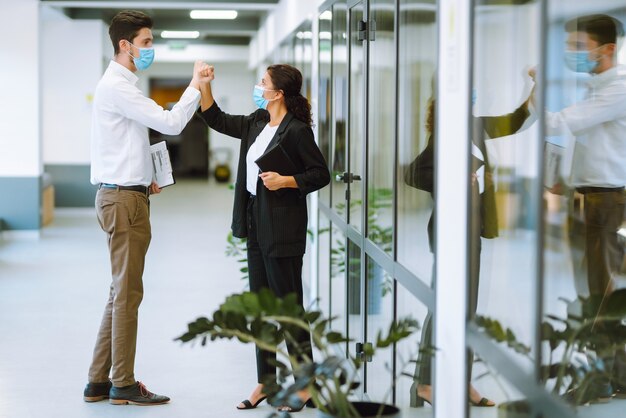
(213, 14)
(327, 15)
(180, 34)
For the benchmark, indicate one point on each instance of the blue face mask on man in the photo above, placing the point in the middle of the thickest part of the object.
(257, 96)
(145, 58)
(579, 61)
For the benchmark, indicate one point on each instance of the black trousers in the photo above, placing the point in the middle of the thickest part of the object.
(282, 275)
(423, 370)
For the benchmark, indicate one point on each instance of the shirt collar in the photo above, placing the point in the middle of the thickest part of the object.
(607, 76)
(123, 71)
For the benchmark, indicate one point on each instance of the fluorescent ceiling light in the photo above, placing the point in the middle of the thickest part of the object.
(180, 34)
(213, 14)
(304, 35)
(325, 35)
(327, 15)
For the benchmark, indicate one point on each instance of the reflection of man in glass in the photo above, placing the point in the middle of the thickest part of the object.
(483, 222)
(599, 169)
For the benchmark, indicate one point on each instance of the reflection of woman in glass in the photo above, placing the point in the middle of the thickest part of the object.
(484, 222)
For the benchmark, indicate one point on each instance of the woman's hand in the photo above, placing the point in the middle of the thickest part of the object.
(274, 181)
(207, 73)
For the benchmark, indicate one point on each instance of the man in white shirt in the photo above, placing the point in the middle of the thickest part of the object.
(122, 168)
(598, 171)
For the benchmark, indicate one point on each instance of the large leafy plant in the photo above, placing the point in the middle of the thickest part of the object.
(593, 329)
(267, 321)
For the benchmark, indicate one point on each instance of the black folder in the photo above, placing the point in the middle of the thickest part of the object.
(277, 160)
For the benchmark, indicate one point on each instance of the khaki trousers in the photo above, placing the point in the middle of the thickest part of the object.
(125, 217)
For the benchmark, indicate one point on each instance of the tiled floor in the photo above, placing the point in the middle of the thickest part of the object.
(53, 290)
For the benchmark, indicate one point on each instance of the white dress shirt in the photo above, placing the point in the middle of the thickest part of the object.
(254, 152)
(120, 148)
(599, 124)
(480, 173)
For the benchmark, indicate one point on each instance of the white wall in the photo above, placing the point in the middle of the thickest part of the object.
(208, 53)
(72, 64)
(20, 154)
(232, 89)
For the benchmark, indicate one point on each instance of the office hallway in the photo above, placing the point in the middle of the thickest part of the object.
(53, 291)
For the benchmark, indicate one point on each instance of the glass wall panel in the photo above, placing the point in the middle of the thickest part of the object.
(408, 357)
(324, 115)
(303, 56)
(340, 104)
(584, 265)
(324, 265)
(416, 72)
(504, 182)
(357, 123)
(338, 281)
(356, 313)
(287, 51)
(381, 123)
(380, 307)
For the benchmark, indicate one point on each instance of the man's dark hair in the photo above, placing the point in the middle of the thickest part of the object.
(603, 29)
(126, 25)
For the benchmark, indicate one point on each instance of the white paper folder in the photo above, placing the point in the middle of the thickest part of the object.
(163, 172)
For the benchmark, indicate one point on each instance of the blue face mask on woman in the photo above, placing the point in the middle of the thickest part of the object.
(579, 61)
(145, 59)
(257, 96)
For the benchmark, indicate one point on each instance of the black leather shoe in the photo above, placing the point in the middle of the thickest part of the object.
(135, 394)
(95, 392)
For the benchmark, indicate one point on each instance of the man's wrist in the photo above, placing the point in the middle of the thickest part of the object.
(195, 84)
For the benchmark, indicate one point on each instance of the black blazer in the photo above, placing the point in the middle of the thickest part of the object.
(282, 214)
(421, 172)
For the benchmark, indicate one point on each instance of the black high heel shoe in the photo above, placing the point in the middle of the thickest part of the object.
(309, 404)
(419, 401)
(416, 400)
(248, 405)
(484, 402)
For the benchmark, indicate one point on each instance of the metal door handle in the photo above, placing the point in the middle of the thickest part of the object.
(347, 177)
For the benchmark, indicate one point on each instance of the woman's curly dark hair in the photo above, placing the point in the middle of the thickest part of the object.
(289, 80)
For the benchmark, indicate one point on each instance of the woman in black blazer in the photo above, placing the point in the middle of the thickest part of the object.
(270, 209)
(420, 174)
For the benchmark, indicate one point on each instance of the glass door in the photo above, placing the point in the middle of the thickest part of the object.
(379, 212)
(352, 178)
(357, 119)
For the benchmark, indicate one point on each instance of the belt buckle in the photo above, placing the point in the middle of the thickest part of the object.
(109, 186)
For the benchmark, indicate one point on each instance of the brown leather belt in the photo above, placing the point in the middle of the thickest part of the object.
(590, 189)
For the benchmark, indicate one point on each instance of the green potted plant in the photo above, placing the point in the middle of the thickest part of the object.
(380, 283)
(236, 248)
(578, 343)
(267, 321)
